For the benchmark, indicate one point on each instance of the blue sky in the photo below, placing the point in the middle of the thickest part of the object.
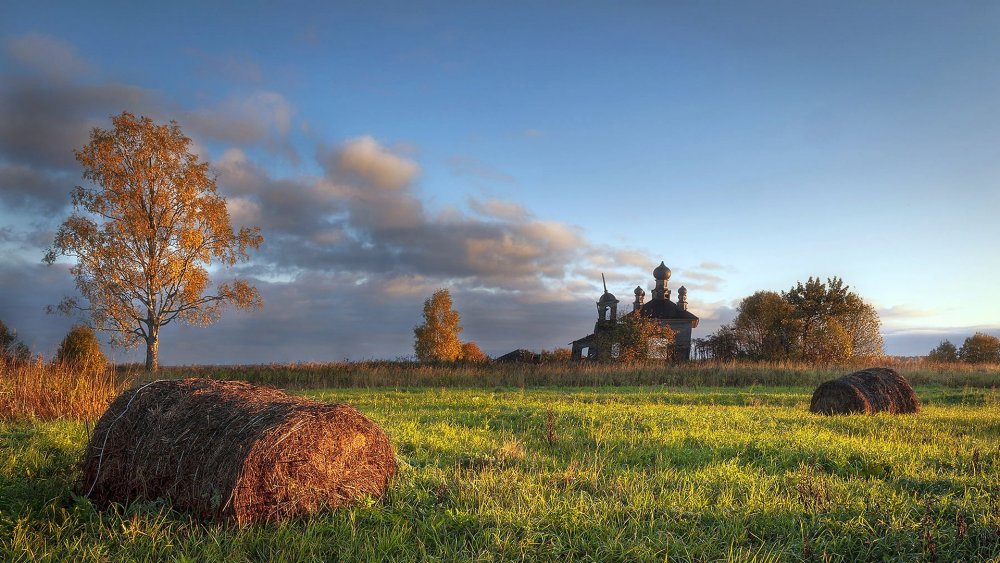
(522, 150)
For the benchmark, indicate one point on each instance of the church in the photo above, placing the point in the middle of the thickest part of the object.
(660, 308)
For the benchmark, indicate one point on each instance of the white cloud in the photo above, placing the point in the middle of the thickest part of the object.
(366, 158)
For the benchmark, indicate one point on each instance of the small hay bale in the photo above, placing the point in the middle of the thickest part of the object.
(232, 451)
(867, 391)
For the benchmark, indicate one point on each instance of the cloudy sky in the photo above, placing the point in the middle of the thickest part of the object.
(513, 152)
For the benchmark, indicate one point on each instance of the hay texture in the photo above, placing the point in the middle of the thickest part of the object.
(235, 452)
(867, 391)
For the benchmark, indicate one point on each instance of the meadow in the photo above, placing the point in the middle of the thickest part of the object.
(576, 472)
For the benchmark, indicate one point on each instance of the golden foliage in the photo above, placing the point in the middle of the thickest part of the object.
(436, 340)
(144, 235)
(473, 354)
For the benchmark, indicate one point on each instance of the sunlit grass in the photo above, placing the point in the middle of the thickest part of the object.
(33, 390)
(631, 474)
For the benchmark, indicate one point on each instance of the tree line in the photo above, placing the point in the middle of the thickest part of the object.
(980, 348)
(815, 321)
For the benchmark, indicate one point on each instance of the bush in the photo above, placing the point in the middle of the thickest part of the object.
(81, 350)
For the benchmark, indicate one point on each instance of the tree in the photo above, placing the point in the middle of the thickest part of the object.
(722, 345)
(436, 340)
(831, 342)
(144, 234)
(980, 348)
(81, 349)
(945, 352)
(824, 313)
(473, 354)
(814, 303)
(12, 349)
(863, 325)
(762, 326)
(642, 338)
(814, 321)
(635, 338)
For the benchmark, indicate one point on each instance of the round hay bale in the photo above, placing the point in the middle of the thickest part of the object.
(867, 391)
(232, 451)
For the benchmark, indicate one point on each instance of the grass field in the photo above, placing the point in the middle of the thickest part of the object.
(604, 474)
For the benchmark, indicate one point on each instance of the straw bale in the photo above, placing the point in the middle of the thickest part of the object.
(867, 391)
(232, 451)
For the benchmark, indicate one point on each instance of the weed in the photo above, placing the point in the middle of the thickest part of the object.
(550, 426)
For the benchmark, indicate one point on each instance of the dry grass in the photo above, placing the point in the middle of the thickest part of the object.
(38, 391)
(579, 374)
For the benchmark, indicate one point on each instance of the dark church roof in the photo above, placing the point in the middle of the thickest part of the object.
(666, 309)
(520, 356)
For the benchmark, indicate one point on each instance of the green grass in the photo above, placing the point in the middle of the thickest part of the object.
(632, 474)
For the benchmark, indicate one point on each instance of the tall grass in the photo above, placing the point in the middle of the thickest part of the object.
(575, 374)
(38, 391)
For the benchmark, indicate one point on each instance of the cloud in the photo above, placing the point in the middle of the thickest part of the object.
(499, 209)
(704, 281)
(533, 133)
(350, 251)
(920, 341)
(52, 57)
(366, 160)
(25, 187)
(472, 167)
(45, 122)
(901, 312)
(261, 118)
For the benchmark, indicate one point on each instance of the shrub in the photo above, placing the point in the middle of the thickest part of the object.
(81, 350)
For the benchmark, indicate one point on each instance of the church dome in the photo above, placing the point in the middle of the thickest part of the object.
(662, 272)
(639, 292)
(608, 297)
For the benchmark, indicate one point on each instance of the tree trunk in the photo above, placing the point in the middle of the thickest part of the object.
(152, 350)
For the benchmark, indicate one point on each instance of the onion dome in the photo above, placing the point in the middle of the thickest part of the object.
(662, 272)
(608, 297)
(639, 292)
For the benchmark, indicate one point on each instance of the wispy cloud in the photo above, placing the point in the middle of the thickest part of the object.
(50, 56)
(472, 167)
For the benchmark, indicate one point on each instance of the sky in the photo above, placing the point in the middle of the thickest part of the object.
(513, 152)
